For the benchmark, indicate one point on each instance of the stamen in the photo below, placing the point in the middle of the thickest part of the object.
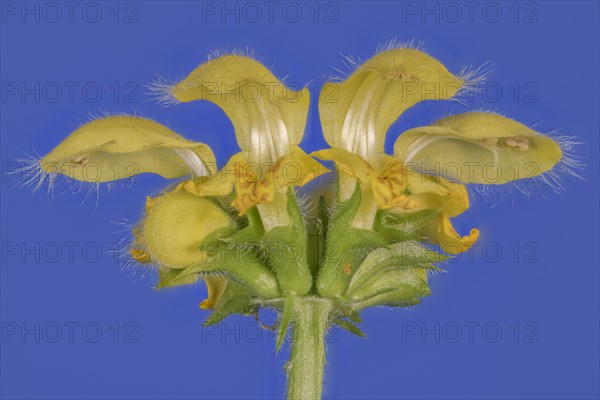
(517, 143)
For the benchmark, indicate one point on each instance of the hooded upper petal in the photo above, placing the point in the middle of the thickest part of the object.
(269, 118)
(478, 147)
(356, 113)
(119, 147)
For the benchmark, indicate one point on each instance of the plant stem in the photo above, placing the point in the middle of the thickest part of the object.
(307, 360)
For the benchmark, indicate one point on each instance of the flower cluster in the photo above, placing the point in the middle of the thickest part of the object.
(365, 237)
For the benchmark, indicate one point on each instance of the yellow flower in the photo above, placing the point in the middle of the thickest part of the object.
(172, 232)
(427, 171)
(269, 120)
(177, 224)
(387, 187)
(119, 147)
(468, 148)
(476, 147)
(356, 121)
(441, 231)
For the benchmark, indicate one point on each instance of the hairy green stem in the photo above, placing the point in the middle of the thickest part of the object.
(307, 361)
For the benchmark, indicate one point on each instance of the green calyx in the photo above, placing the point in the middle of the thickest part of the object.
(321, 255)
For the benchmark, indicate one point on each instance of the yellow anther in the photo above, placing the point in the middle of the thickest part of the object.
(395, 75)
(517, 142)
(523, 146)
(522, 143)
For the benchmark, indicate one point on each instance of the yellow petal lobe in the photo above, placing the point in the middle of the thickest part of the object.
(436, 193)
(215, 286)
(441, 232)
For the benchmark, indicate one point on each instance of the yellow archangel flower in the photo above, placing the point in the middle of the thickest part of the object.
(242, 229)
(269, 120)
(356, 122)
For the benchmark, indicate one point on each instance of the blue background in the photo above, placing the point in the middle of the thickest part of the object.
(167, 353)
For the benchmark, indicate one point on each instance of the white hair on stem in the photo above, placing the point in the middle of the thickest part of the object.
(305, 204)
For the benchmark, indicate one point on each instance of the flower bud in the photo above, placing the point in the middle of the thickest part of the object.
(177, 224)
